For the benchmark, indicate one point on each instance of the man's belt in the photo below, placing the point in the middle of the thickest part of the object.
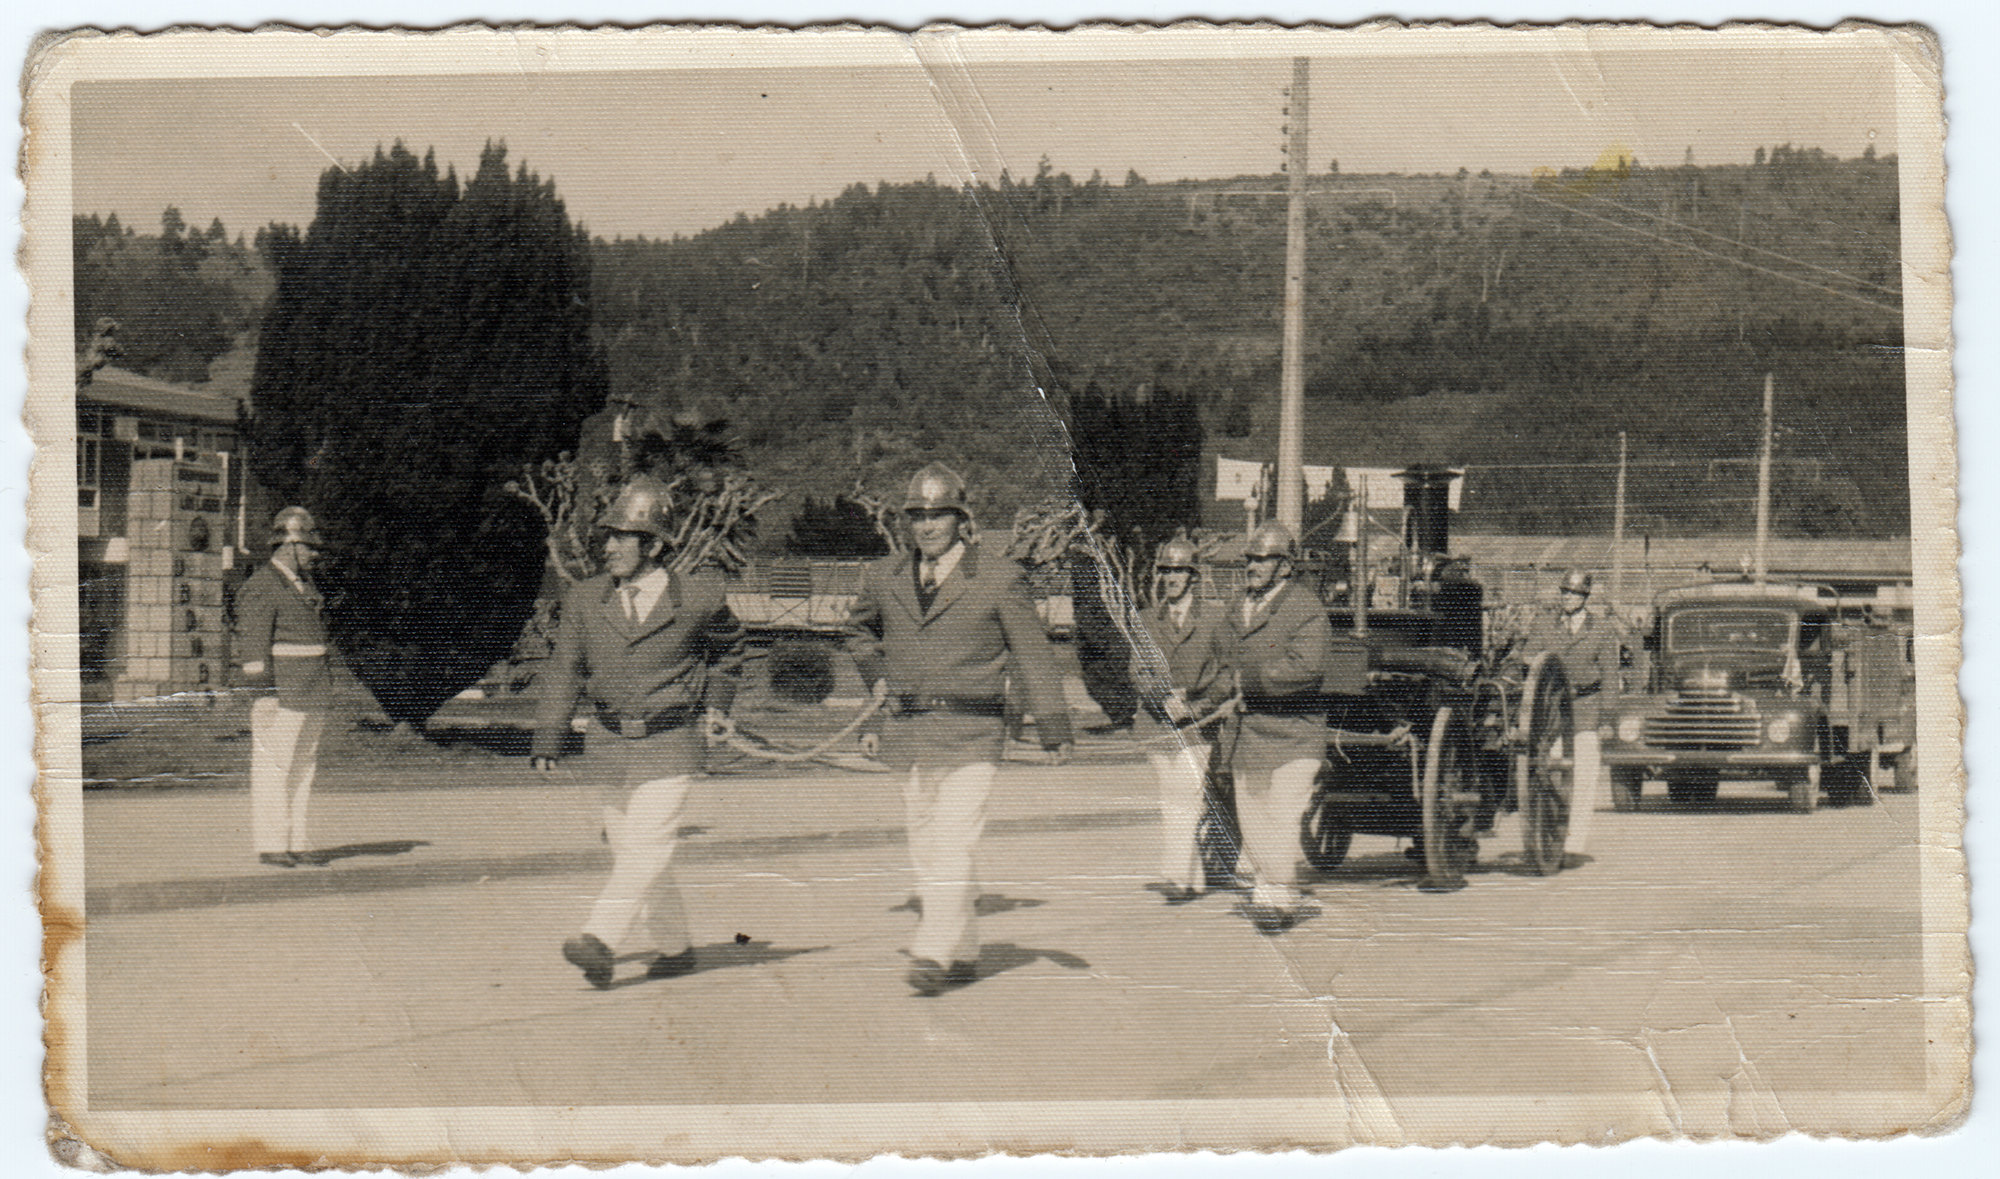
(298, 650)
(962, 705)
(632, 728)
(1588, 690)
(1298, 704)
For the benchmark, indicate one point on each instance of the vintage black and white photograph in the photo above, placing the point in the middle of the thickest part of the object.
(658, 595)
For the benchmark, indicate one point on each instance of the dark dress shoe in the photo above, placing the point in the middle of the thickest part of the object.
(928, 978)
(593, 957)
(278, 859)
(1180, 896)
(1272, 920)
(671, 965)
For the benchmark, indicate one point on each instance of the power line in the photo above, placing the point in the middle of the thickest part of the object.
(1779, 274)
(1742, 245)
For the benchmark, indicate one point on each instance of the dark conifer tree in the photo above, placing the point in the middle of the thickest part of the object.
(1139, 461)
(425, 341)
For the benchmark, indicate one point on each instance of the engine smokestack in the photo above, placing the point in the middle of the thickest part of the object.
(1427, 500)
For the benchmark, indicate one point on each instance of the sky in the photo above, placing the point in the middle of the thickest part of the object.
(675, 151)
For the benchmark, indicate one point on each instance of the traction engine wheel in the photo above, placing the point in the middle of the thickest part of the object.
(1324, 831)
(1450, 804)
(1546, 768)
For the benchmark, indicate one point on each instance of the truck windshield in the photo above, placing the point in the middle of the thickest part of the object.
(1732, 629)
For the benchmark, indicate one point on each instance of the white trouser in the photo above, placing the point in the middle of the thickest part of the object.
(1182, 775)
(1586, 790)
(284, 756)
(641, 897)
(945, 812)
(1269, 806)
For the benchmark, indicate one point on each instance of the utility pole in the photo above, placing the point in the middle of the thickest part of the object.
(1764, 487)
(1618, 533)
(1291, 379)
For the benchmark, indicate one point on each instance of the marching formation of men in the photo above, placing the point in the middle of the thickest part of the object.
(946, 636)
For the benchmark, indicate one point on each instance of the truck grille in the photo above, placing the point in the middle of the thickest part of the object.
(1698, 719)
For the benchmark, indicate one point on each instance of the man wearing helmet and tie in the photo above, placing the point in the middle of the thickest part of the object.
(1181, 679)
(939, 633)
(1590, 648)
(281, 644)
(656, 654)
(1275, 639)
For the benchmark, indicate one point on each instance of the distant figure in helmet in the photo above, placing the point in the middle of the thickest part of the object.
(657, 656)
(281, 644)
(939, 632)
(1181, 678)
(1589, 647)
(1275, 639)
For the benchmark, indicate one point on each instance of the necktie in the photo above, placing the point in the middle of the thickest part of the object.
(930, 575)
(631, 593)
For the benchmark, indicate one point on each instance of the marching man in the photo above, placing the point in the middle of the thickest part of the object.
(1276, 639)
(657, 654)
(281, 629)
(1181, 678)
(938, 632)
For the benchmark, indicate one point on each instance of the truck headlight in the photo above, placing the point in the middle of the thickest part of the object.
(1631, 727)
(1779, 730)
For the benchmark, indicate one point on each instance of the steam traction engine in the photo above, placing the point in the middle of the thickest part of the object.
(1426, 738)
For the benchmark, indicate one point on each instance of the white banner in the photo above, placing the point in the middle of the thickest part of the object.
(1236, 479)
(1319, 480)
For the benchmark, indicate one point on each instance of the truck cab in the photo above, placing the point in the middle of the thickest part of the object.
(1737, 688)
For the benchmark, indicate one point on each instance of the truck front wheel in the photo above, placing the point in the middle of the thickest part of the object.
(1803, 790)
(1625, 786)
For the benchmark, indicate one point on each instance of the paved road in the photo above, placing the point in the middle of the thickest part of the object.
(1740, 969)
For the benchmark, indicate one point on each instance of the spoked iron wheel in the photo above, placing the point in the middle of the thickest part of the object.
(1325, 831)
(1547, 765)
(1450, 804)
(1217, 834)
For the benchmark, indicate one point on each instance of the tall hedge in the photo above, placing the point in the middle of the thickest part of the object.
(426, 340)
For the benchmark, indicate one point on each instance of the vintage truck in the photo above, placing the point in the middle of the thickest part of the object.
(1761, 682)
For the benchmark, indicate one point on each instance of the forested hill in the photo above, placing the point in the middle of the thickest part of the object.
(1511, 324)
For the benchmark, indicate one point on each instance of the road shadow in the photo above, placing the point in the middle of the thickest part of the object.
(717, 956)
(997, 958)
(1397, 870)
(320, 857)
(989, 904)
(1773, 804)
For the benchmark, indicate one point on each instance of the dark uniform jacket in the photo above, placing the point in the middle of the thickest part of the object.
(271, 611)
(1188, 658)
(640, 677)
(1590, 657)
(980, 630)
(1279, 659)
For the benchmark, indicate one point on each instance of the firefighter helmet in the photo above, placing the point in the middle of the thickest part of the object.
(294, 525)
(1271, 540)
(1178, 553)
(642, 506)
(936, 486)
(1576, 581)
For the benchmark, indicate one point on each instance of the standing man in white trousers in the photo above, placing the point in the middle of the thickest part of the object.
(281, 644)
(657, 655)
(1178, 670)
